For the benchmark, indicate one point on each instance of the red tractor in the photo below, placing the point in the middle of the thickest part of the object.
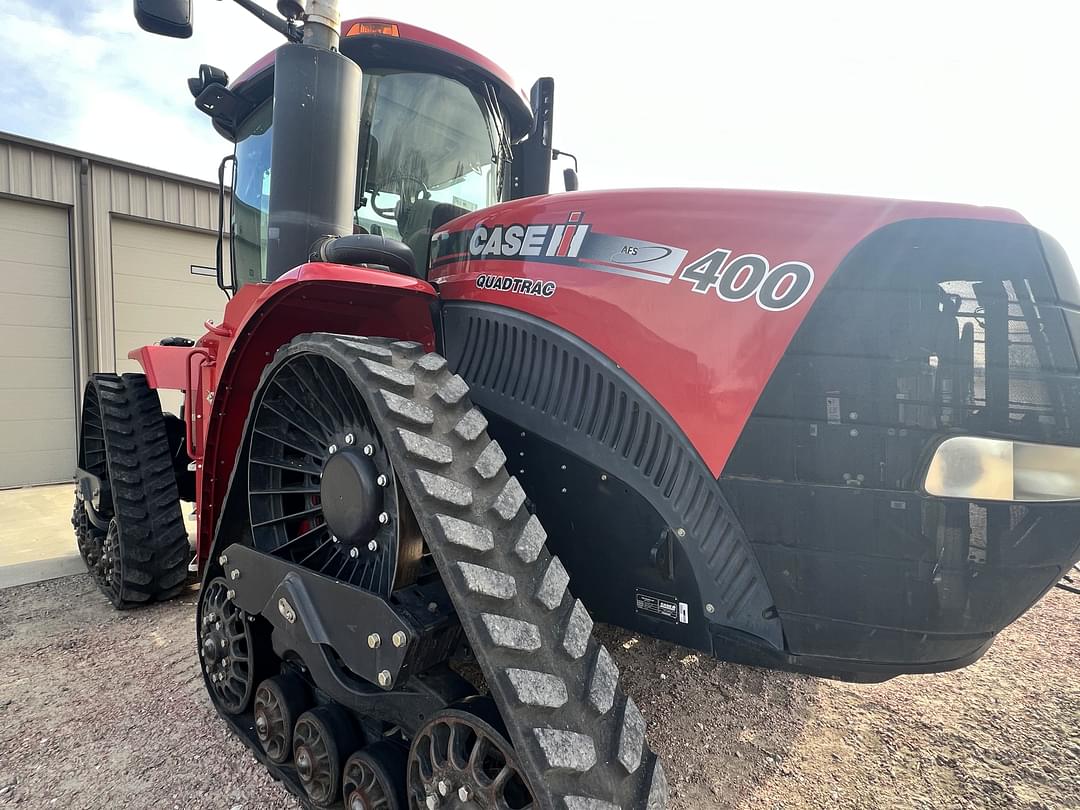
(837, 436)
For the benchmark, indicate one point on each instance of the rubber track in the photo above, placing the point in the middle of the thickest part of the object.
(580, 738)
(154, 545)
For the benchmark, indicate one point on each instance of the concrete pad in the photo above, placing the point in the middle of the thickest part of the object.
(36, 539)
(26, 573)
(36, 524)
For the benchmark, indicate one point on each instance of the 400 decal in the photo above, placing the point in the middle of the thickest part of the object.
(749, 276)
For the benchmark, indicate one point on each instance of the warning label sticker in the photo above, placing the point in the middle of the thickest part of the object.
(662, 606)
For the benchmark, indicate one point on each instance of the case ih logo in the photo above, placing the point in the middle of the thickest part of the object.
(513, 241)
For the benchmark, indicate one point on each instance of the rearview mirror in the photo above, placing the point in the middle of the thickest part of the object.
(570, 179)
(170, 18)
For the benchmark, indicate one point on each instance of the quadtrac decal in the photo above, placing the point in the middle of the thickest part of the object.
(575, 243)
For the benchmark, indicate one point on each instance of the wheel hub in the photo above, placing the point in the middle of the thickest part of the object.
(351, 497)
(303, 764)
(225, 647)
(459, 761)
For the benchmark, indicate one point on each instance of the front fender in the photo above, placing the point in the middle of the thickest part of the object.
(315, 297)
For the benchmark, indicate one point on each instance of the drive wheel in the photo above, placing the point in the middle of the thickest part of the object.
(279, 701)
(320, 739)
(460, 760)
(124, 445)
(374, 778)
(226, 648)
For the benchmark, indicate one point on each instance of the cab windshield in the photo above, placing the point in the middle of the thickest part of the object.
(430, 150)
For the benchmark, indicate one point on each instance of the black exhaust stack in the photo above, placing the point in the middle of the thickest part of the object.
(313, 156)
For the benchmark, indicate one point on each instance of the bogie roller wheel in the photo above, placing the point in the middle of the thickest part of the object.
(123, 442)
(89, 539)
(578, 739)
(374, 778)
(459, 759)
(321, 741)
(279, 701)
(226, 649)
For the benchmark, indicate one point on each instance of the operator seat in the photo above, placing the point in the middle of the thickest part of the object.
(417, 222)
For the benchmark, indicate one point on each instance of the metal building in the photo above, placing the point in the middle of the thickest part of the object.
(97, 256)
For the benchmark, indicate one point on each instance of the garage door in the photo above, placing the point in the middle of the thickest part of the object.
(37, 377)
(155, 292)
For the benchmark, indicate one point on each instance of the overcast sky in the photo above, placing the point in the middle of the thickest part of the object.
(961, 101)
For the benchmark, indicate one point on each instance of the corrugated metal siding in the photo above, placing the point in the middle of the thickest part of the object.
(37, 173)
(40, 171)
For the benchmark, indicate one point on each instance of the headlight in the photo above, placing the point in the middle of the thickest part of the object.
(984, 469)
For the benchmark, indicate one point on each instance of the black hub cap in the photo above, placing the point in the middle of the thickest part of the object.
(459, 760)
(225, 647)
(322, 489)
(351, 497)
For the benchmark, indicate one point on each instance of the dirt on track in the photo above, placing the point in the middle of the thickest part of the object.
(100, 709)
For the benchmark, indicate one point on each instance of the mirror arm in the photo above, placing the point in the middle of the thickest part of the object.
(286, 28)
(558, 153)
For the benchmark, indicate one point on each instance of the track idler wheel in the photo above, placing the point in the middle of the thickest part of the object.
(226, 648)
(321, 740)
(459, 759)
(374, 779)
(279, 701)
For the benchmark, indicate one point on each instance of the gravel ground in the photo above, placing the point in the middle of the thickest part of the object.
(106, 710)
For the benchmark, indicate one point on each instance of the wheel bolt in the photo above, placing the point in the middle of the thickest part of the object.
(382, 480)
(369, 450)
(372, 546)
(224, 644)
(334, 538)
(349, 438)
(463, 793)
(234, 574)
(374, 641)
(230, 594)
(332, 448)
(384, 518)
(431, 803)
(385, 679)
(444, 787)
(223, 560)
(354, 552)
(400, 639)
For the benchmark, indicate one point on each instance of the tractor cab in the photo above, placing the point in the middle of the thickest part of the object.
(442, 133)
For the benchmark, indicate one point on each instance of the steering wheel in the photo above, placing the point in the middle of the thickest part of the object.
(403, 182)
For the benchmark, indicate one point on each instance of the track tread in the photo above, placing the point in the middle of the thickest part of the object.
(580, 738)
(154, 550)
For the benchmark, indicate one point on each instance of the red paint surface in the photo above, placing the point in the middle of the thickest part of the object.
(704, 359)
(165, 366)
(260, 318)
(415, 34)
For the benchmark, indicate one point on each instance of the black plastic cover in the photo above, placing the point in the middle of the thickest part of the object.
(928, 328)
